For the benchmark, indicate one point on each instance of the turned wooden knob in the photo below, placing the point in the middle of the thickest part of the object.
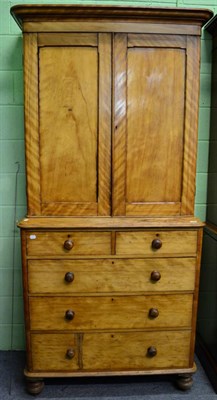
(69, 277)
(68, 244)
(152, 351)
(153, 313)
(70, 353)
(69, 315)
(155, 276)
(156, 244)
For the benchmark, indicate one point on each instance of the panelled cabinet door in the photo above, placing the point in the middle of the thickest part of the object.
(68, 123)
(155, 124)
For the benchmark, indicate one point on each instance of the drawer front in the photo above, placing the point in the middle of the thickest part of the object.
(54, 352)
(118, 312)
(111, 275)
(68, 244)
(129, 351)
(157, 243)
(110, 351)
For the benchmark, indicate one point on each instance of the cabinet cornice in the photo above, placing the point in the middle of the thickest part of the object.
(41, 13)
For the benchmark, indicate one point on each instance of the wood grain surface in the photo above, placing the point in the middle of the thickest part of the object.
(111, 275)
(52, 243)
(68, 97)
(155, 110)
(105, 112)
(104, 312)
(32, 124)
(56, 223)
(69, 167)
(129, 350)
(117, 350)
(165, 124)
(191, 125)
(49, 352)
(71, 39)
(153, 118)
(173, 242)
(119, 125)
(121, 27)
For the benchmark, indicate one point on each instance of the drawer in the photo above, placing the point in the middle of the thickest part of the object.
(129, 351)
(102, 312)
(111, 275)
(110, 351)
(161, 243)
(54, 352)
(68, 244)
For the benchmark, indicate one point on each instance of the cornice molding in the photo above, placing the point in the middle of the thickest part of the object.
(57, 12)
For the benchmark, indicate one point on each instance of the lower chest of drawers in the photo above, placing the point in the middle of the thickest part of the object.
(110, 301)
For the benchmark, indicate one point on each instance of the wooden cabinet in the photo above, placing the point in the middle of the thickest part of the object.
(111, 248)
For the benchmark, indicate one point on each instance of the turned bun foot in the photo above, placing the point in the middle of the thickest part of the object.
(34, 386)
(184, 381)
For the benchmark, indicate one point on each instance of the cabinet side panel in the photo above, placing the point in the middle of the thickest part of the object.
(68, 124)
(196, 293)
(31, 123)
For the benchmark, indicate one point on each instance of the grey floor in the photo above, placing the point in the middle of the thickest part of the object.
(12, 385)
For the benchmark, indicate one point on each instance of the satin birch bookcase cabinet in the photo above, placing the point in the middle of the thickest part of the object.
(110, 245)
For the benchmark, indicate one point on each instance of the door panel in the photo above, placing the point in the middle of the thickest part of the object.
(155, 109)
(73, 138)
(151, 174)
(68, 124)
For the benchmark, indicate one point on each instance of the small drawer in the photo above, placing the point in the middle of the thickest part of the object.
(157, 243)
(136, 350)
(68, 244)
(102, 312)
(54, 352)
(111, 275)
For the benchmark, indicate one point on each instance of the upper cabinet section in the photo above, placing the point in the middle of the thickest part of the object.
(111, 109)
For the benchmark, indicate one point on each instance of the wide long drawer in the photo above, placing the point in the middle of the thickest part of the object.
(104, 312)
(68, 244)
(158, 244)
(110, 351)
(111, 275)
